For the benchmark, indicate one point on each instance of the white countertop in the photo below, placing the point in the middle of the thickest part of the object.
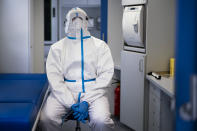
(165, 84)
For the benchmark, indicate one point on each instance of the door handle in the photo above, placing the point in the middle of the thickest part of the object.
(141, 66)
(188, 111)
(53, 12)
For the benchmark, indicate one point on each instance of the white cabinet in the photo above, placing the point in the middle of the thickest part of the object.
(132, 89)
(160, 113)
(154, 108)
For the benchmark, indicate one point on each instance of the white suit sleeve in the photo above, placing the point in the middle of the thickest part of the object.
(105, 68)
(56, 79)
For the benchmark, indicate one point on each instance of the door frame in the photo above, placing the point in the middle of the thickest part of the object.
(104, 20)
(186, 59)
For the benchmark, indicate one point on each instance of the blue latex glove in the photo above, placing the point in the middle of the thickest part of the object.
(80, 107)
(80, 116)
(74, 107)
(80, 111)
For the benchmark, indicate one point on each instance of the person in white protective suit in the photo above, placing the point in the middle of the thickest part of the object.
(79, 68)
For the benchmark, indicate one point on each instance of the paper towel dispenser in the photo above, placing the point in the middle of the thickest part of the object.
(132, 25)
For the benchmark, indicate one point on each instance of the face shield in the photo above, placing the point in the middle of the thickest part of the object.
(76, 20)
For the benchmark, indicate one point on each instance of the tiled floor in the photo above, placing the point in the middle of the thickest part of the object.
(70, 126)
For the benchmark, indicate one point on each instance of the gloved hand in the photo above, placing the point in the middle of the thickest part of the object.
(80, 111)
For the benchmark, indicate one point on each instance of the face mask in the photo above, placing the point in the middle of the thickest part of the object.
(77, 24)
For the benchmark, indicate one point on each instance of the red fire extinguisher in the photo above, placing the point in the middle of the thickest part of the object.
(117, 101)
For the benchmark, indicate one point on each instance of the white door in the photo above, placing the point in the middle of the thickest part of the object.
(14, 33)
(132, 89)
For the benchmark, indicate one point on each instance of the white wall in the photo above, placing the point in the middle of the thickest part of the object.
(115, 42)
(115, 38)
(38, 51)
(160, 34)
(21, 36)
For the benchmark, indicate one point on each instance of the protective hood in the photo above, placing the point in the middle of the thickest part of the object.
(76, 21)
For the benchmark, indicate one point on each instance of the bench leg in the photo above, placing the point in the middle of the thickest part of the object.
(78, 128)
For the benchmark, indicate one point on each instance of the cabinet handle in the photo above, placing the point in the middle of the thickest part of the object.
(141, 66)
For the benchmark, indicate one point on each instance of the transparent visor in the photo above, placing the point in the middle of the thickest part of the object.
(75, 24)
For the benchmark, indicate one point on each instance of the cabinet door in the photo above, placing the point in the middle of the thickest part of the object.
(132, 89)
(154, 108)
(94, 2)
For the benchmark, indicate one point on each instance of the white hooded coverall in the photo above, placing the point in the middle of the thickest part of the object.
(79, 63)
